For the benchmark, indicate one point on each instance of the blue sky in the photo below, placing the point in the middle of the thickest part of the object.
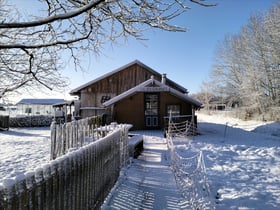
(185, 57)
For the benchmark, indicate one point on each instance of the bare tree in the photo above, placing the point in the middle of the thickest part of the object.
(205, 95)
(272, 29)
(227, 71)
(29, 46)
(247, 64)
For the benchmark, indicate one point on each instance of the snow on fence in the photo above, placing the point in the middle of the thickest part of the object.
(181, 125)
(30, 121)
(76, 134)
(81, 179)
(190, 171)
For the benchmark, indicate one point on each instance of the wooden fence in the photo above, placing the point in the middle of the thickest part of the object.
(81, 179)
(76, 134)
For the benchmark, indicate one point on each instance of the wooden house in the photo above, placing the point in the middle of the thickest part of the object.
(135, 94)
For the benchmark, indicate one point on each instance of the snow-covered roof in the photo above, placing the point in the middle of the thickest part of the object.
(76, 90)
(91, 108)
(42, 101)
(157, 86)
(63, 103)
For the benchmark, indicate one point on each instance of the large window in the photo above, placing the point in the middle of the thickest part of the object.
(152, 110)
(151, 104)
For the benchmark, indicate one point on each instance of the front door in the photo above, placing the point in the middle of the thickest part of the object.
(152, 110)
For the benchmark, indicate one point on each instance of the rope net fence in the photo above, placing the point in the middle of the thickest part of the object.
(181, 125)
(188, 167)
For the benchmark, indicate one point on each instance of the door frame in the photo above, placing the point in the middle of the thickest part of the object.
(152, 121)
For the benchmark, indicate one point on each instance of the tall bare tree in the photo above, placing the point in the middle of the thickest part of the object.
(247, 64)
(30, 45)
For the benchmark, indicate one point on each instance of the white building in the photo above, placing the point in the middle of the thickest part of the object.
(37, 106)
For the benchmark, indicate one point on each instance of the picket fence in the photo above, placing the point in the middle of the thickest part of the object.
(76, 134)
(80, 179)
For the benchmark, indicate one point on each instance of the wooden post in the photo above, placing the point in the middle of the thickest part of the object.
(48, 186)
(53, 141)
(40, 189)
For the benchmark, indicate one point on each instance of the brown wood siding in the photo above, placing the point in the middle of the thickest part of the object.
(167, 99)
(131, 110)
(116, 84)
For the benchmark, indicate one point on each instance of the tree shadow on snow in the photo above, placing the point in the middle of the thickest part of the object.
(27, 132)
(272, 129)
(148, 183)
(242, 166)
(228, 134)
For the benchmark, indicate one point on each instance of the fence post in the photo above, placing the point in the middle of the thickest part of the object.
(55, 184)
(58, 140)
(2, 199)
(74, 176)
(30, 185)
(68, 183)
(48, 186)
(21, 191)
(9, 194)
(40, 188)
(67, 136)
(53, 141)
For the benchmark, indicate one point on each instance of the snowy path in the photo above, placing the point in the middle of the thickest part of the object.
(149, 182)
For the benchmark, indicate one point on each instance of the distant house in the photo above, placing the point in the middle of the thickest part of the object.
(135, 94)
(37, 106)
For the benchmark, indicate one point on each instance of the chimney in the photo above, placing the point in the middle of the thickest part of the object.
(163, 78)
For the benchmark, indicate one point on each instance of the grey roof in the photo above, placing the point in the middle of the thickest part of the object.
(63, 103)
(141, 88)
(76, 90)
(42, 101)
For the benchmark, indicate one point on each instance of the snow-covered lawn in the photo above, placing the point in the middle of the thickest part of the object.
(22, 150)
(242, 159)
(243, 167)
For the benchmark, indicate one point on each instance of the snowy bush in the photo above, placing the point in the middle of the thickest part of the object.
(30, 121)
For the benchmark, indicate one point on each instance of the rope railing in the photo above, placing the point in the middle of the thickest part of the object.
(181, 126)
(189, 171)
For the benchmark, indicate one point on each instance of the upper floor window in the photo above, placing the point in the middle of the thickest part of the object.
(105, 98)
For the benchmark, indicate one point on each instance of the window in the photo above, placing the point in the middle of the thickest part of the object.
(104, 99)
(28, 110)
(151, 104)
(174, 109)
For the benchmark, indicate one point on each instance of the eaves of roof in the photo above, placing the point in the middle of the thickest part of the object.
(139, 88)
(42, 101)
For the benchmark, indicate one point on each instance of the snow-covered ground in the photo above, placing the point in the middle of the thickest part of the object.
(242, 159)
(23, 150)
